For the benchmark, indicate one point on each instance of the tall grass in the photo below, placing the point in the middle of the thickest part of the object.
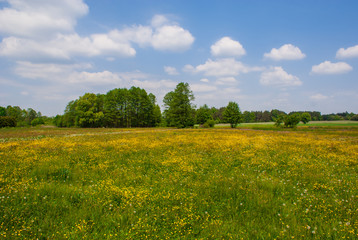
(173, 184)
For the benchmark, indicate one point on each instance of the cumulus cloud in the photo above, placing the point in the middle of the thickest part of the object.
(65, 47)
(204, 80)
(328, 67)
(65, 73)
(41, 17)
(221, 67)
(350, 52)
(318, 97)
(285, 52)
(276, 76)
(226, 47)
(171, 70)
(24, 41)
(172, 38)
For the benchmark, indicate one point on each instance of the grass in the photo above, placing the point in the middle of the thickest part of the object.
(172, 184)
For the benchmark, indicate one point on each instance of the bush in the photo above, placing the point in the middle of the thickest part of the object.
(37, 121)
(7, 122)
(292, 120)
(211, 123)
(305, 117)
(355, 118)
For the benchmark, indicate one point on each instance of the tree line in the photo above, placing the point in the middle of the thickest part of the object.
(134, 107)
(13, 116)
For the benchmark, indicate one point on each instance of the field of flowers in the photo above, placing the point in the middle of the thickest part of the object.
(173, 184)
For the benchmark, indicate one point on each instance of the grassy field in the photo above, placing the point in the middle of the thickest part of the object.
(216, 183)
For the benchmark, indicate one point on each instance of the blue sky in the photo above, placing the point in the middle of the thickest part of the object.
(288, 55)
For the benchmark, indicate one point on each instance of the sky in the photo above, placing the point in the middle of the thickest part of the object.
(297, 55)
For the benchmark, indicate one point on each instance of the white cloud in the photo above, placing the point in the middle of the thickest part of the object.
(204, 80)
(95, 78)
(141, 35)
(159, 20)
(276, 76)
(65, 73)
(65, 47)
(226, 81)
(328, 67)
(222, 67)
(285, 52)
(55, 43)
(226, 47)
(318, 97)
(171, 70)
(154, 84)
(40, 17)
(202, 88)
(172, 38)
(350, 52)
(47, 71)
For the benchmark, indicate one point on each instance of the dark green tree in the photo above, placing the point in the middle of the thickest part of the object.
(233, 114)
(305, 117)
(179, 110)
(292, 120)
(88, 111)
(2, 112)
(203, 114)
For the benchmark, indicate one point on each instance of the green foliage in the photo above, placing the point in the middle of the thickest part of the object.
(292, 120)
(354, 118)
(210, 123)
(179, 111)
(118, 108)
(2, 111)
(279, 120)
(233, 114)
(37, 121)
(6, 121)
(305, 117)
(249, 117)
(203, 114)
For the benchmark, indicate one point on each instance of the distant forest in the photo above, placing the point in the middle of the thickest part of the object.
(134, 107)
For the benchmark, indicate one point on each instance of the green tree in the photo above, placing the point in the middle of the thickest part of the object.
(178, 106)
(30, 115)
(305, 117)
(203, 114)
(292, 120)
(233, 114)
(2, 112)
(88, 111)
(279, 119)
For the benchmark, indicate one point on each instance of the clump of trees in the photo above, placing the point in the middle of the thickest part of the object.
(120, 107)
(12, 116)
(293, 119)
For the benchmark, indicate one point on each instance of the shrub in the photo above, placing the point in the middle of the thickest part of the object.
(292, 120)
(355, 118)
(37, 121)
(305, 117)
(7, 122)
(211, 123)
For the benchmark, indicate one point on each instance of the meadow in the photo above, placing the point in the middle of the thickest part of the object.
(216, 183)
